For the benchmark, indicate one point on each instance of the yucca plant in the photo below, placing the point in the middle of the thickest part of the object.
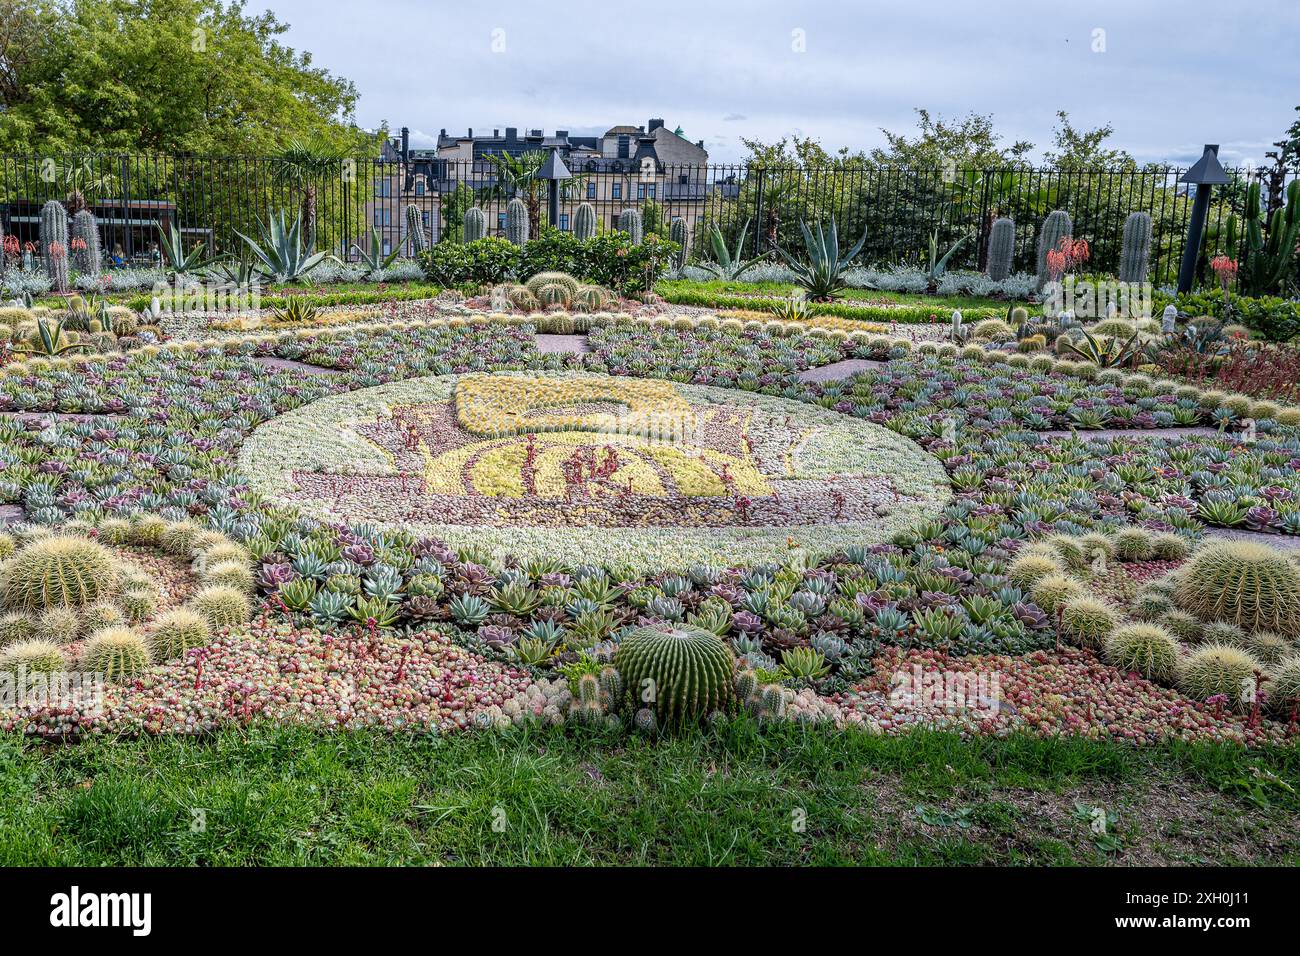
(373, 258)
(726, 264)
(822, 276)
(281, 254)
(173, 251)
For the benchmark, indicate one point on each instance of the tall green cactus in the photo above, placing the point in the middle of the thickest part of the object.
(629, 221)
(475, 225)
(1056, 226)
(584, 221)
(54, 243)
(680, 233)
(85, 235)
(1135, 253)
(1269, 258)
(415, 229)
(1002, 248)
(517, 221)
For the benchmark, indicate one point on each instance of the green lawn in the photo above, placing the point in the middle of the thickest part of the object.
(780, 290)
(732, 795)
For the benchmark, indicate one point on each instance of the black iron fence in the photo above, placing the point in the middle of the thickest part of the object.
(213, 199)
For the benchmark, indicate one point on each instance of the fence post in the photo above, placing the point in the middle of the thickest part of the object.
(758, 214)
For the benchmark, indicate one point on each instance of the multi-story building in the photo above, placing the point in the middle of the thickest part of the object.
(626, 167)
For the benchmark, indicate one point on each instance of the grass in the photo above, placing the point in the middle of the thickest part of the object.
(733, 795)
(783, 290)
(278, 294)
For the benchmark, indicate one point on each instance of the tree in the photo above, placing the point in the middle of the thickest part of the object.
(301, 166)
(516, 176)
(1082, 149)
(939, 143)
(161, 76)
(454, 206)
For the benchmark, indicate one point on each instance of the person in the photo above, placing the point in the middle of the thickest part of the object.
(119, 257)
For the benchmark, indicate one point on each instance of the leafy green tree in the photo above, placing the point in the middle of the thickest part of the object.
(1084, 149)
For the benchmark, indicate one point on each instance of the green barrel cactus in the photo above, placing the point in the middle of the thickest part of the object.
(34, 656)
(59, 571)
(681, 673)
(1219, 669)
(177, 631)
(562, 279)
(1251, 585)
(1147, 649)
(222, 606)
(118, 653)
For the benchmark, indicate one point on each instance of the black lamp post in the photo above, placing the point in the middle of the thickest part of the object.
(553, 170)
(1206, 174)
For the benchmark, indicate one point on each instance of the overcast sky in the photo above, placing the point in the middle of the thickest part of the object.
(1168, 76)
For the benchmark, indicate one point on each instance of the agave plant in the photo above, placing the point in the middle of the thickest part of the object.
(822, 276)
(938, 263)
(280, 254)
(50, 340)
(728, 265)
(173, 251)
(295, 311)
(1105, 352)
(239, 273)
(373, 258)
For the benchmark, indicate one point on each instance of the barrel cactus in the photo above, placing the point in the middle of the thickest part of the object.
(562, 279)
(415, 229)
(517, 221)
(85, 244)
(1284, 688)
(54, 243)
(1002, 248)
(1054, 590)
(222, 606)
(1056, 226)
(584, 221)
(116, 652)
(1248, 584)
(34, 656)
(681, 673)
(475, 225)
(1135, 250)
(1087, 621)
(1147, 649)
(1219, 669)
(60, 570)
(680, 233)
(629, 221)
(177, 631)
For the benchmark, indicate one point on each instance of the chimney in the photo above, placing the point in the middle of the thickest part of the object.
(496, 133)
(443, 131)
(406, 143)
(641, 129)
(561, 134)
(471, 132)
(512, 133)
(655, 124)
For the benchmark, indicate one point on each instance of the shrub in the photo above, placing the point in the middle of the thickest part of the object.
(682, 674)
(116, 652)
(1219, 669)
(485, 261)
(222, 606)
(1248, 584)
(38, 657)
(1148, 649)
(60, 570)
(176, 632)
(1087, 621)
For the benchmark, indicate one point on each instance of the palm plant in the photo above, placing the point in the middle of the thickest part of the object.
(77, 179)
(280, 254)
(300, 166)
(822, 276)
(173, 251)
(373, 258)
(516, 176)
(728, 265)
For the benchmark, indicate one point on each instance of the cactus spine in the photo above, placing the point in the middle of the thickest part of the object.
(54, 243)
(475, 224)
(517, 221)
(415, 229)
(86, 257)
(680, 233)
(1136, 250)
(629, 221)
(1056, 226)
(680, 674)
(1002, 248)
(584, 221)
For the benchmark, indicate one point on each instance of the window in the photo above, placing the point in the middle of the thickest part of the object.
(618, 190)
(419, 187)
(501, 220)
(591, 190)
(640, 190)
(424, 216)
(388, 247)
(383, 187)
(653, 187)
(564, 222)
(624, 146)
(383, 216)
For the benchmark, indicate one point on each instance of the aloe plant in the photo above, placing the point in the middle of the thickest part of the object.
(726, 264)
(280, 254)
(172, 246)
(373, 258)
(822, 276)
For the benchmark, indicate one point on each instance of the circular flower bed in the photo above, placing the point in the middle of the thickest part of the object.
(643, 472)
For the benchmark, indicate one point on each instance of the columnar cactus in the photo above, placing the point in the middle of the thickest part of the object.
(629, 221)
(475, 224)
(680, 233)
(54, 243)
(681, 674)
(1056, 226)
(1002, 248)
(517, 221)
(584, 221)
(85, 237)
(415, 229)
(1135, 253)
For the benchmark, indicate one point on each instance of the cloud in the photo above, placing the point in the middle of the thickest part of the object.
(734, 117)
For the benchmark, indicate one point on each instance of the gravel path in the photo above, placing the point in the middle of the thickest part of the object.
(291, 365)
(839, 370)
(1194, 431)
(576, 344)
